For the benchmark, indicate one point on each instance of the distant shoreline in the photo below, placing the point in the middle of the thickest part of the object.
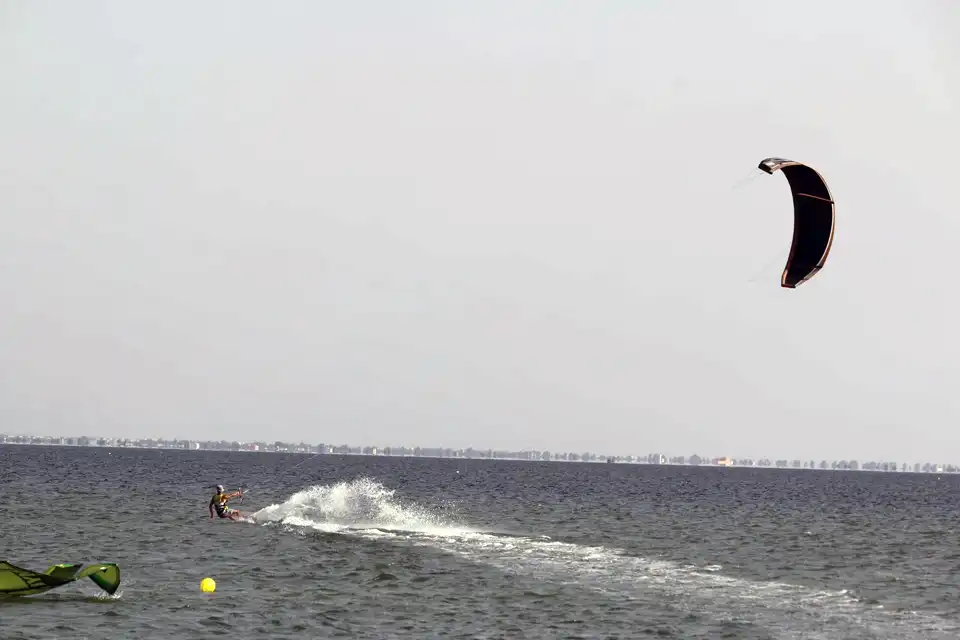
(599, 460)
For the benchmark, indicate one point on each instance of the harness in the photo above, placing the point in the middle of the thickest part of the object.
(221, 505)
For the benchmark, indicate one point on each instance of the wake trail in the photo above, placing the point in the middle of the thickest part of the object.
(365, 508)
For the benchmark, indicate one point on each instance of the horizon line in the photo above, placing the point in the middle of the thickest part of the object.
(705, 461)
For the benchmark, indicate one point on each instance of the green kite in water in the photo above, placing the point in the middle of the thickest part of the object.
(15, 581)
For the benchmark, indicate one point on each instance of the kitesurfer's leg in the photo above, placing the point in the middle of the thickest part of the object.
(232, 514)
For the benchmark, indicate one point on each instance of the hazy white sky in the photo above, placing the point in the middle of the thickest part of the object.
(499, 224)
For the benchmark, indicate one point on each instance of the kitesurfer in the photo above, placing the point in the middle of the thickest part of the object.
(219, 502)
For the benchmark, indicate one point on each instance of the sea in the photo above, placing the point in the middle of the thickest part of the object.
(392, 547)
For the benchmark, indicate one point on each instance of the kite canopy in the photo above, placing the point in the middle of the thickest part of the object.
(813, 220)
(15, 581)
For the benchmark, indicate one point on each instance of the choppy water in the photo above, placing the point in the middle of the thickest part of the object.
(361, 547)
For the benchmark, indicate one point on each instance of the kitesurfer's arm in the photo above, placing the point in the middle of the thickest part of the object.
(211, 508)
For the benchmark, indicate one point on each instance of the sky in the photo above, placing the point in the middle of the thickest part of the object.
(502, 224)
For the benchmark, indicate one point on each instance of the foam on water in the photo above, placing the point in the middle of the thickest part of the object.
(362, 506)
(365, 508)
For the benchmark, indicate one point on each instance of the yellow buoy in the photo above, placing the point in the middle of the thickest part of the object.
(207, 585)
